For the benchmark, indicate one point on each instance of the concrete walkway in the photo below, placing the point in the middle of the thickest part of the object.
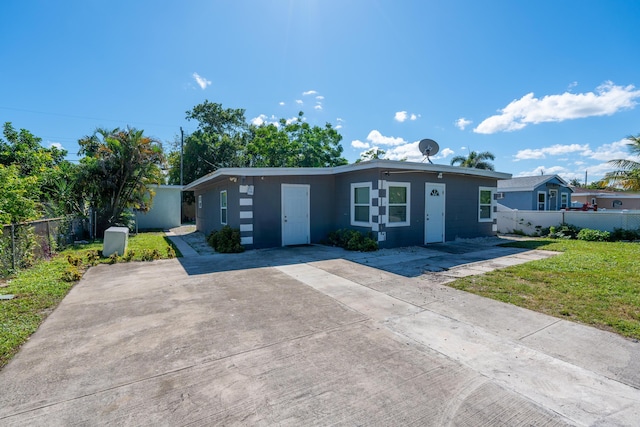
(315, 336)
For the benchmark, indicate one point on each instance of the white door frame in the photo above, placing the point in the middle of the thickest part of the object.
(299, 239)
(441, 187)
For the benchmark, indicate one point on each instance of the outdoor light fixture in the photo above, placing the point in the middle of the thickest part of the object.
(440, 175)
(233, 179)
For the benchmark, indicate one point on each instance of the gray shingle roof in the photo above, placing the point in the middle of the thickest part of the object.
(526, 183)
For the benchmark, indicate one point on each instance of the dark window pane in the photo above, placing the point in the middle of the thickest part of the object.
(361, 214)
(397, 195)
(361, 196)
(397, 213)
(485, 212)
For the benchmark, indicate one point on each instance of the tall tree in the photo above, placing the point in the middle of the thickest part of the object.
(371, 154)
(218, 142)
(627, 175)
(294, 144)
(475, 160)
(40, 169)
(117, 170)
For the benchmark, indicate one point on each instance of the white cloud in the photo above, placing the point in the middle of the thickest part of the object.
(319, 97)
(309, 92)
(299, 101)
(318, 107)
(607, 100)
(258, 121)
(57, 145)
(400, 116)
(359, 144)
(377, 138)
(339, 122)
(201, 81)
(554, 150)
(264, 119)
(613, 151)
(540, 170)
(462, 123)
(281, 103)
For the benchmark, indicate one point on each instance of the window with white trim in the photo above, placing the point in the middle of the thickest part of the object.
(542, 201)
(398, 204)
(485, 204)
(223, 207)
(361, 204)
(564, 200)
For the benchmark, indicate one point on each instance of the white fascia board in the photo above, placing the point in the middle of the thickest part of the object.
(373, 164)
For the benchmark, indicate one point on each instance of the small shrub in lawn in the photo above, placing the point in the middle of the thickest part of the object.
(227, 240)
(566, 231)
(71, 274)
(593, 235)
(352, 240)
(128, 255)
(113, 258)
(93, 257)
(74, 260)
(150, 255)
(622, 234)
(171, 253)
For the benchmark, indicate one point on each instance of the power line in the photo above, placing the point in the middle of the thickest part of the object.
(24, 110)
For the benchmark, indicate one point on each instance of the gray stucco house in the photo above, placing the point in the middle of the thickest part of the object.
(400, 203)
(538, 193)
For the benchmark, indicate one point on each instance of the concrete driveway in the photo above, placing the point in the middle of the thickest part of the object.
(314, 336)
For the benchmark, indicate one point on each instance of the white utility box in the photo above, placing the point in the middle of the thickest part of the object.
(115, 241)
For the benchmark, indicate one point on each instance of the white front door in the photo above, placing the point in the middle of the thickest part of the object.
(295, 214)
(434, 213)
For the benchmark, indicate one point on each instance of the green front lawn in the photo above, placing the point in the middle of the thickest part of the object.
(40, 289)
(596, 283)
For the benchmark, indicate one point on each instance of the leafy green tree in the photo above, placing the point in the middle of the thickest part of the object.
(475, 160)
(117, 170)
(294, 144)
(575, 182)
(19, 196)
(218, 142)
(39, 169)
(627, 175)
(371, 154)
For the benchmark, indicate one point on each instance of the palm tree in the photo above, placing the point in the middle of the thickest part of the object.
(118, 168)
(628, 174)
(475, 160)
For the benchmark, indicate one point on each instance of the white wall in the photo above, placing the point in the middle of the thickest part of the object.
(165, 211)
(530, 222)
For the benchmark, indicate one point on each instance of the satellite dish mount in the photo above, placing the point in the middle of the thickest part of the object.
(428, 147)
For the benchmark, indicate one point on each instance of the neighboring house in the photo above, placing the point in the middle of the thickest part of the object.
(605, 199)
(165, 209)
(538, 193)
(399, 203)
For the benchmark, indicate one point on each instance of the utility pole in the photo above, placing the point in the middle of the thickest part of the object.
(585, 179)
(181, 153)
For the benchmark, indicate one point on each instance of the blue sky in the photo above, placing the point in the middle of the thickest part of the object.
(549, 86)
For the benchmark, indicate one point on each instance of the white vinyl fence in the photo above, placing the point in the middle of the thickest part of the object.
(531, 222)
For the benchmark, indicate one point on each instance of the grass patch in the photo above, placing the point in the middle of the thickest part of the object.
(596, 283)
(40, 289)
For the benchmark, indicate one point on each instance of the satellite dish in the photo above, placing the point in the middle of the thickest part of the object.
(428, 147)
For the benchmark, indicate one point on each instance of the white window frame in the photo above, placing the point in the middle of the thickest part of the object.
(407, 222)
(564, 200)
(355, 185)
(538, 202)
(492, 203)
(224, 208)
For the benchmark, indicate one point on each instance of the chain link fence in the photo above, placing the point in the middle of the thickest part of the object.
(21, 245)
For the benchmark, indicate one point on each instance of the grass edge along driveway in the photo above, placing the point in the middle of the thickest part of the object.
(40, 289)
(594, 283)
